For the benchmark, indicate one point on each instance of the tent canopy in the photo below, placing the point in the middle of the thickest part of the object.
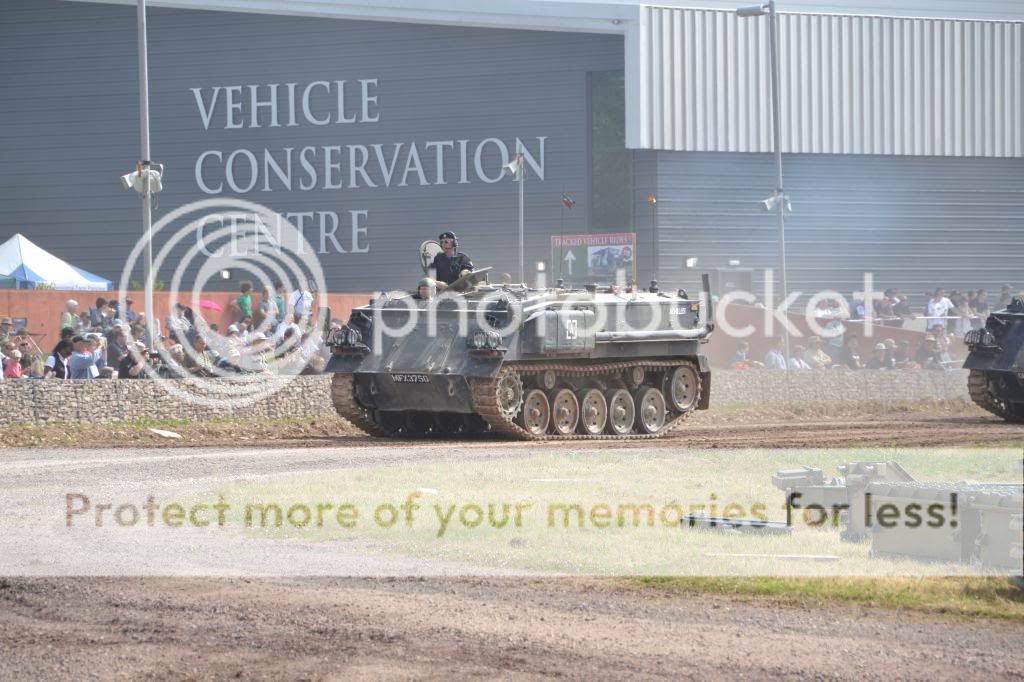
(31, 266)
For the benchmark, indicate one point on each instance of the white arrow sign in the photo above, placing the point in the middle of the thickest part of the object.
(569, 258)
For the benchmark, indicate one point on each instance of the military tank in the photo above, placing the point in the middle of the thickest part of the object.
(527, 363)
(996, 362)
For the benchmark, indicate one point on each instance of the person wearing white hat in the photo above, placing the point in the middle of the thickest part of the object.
(69, 318)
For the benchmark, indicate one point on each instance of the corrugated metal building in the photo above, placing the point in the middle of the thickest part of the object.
(373, 125)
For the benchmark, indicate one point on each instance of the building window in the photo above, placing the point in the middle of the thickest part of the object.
(611, 181)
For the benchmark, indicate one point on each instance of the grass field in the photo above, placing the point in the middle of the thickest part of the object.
(611, 513)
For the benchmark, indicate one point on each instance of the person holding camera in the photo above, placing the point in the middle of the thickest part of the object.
(133, 364)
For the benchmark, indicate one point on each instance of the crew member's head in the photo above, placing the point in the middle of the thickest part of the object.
(427, 288)
(449, 242)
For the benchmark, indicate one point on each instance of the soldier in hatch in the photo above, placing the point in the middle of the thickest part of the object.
(426, 290)
(449, 265)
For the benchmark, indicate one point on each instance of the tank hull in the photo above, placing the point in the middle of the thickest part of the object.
(567, 365)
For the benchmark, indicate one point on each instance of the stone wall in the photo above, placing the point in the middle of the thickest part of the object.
(27, 401)
(41, 402)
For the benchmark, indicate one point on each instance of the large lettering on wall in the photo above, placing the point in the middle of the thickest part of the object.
(354, 104)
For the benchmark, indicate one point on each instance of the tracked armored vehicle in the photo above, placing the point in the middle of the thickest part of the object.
(522, 362)
(996, 362)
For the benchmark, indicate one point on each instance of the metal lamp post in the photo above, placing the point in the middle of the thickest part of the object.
(517, 168)
(779, 201)
(143, 168)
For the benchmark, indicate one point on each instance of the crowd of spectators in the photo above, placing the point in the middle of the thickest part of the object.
(274, 333)
(945, 317)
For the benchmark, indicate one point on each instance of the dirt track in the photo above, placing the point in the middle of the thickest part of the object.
(469, 628)
(193, 628)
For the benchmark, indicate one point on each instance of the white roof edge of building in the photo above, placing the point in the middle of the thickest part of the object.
(537, 15)
(580, 16)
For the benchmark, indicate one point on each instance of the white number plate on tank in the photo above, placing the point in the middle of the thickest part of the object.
(411, 378)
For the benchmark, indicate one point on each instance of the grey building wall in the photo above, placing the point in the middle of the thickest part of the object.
(914, 222)
(70, 128)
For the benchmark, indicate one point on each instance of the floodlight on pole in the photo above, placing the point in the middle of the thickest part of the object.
(779, 200)
(753, 11)
(516, 168)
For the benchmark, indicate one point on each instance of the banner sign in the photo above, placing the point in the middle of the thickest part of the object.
(594, 257)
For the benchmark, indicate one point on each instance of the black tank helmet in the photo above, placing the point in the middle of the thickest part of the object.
(449, 235)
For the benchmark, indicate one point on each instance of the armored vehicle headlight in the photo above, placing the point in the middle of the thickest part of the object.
(493, 339)
(350, 337)
(478, 340)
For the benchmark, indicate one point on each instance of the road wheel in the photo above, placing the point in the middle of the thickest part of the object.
(593, 412)
(536, 412)
(683, 388)
(565, 412)
(621, 412)
(650, 410)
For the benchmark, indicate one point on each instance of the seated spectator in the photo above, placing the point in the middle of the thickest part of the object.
(133, 364)
(796, 361)
(258, 357)
(902, 356)
(941, 338)
(200, 359)
(69, 318)
(774, 359)
(84, 357)
(67, 333)
(928, 355)
(851, 357)
(880, 358)
(179, 322)
(173, 365)
(814, 356)
(246, 330)
(56, 365)
(12, 366)
(741, 359)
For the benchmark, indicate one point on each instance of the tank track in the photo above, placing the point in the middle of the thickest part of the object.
(977, 386)
(485, 398)
(345, 404)
(485, 401)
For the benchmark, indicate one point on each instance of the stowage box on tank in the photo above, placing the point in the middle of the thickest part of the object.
(527, 363)
(996, 362)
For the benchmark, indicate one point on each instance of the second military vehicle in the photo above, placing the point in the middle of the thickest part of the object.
(528, 363)
(996, 362)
